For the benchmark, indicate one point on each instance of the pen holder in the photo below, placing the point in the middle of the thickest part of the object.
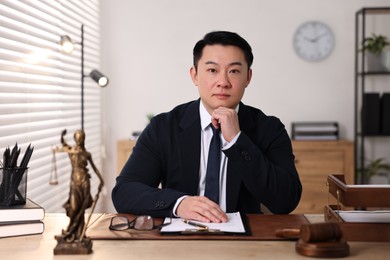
(13, 186)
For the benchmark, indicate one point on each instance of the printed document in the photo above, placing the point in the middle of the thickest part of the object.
(234, 224)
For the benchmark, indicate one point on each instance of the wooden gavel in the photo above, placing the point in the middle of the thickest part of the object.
(317, 232)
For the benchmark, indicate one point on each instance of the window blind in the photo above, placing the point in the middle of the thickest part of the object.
(40, 88)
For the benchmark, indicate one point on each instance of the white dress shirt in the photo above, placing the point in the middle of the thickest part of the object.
(206, 135)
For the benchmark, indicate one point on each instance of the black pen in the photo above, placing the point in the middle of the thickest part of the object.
(195, 224)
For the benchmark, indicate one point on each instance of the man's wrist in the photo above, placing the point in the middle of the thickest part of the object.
(178, 201)
(226, 145)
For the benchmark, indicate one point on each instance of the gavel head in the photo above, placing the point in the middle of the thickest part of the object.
(320, 232)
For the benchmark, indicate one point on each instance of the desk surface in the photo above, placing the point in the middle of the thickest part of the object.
(41, 247)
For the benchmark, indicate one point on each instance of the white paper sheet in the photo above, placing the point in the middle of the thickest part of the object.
(377, 216)
(234, 224)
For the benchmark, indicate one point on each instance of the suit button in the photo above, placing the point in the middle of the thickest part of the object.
(246, 155)
(159, 204)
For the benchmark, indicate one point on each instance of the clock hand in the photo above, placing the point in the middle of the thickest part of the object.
(309, 39)
(319, 37)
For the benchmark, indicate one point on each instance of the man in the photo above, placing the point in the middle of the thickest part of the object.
(256, 162)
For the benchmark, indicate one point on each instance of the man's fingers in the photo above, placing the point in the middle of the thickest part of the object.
(211, 214)
(215, 123)
(201, 209)
(228, 121)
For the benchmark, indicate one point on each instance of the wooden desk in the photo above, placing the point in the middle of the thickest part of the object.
(41, 247)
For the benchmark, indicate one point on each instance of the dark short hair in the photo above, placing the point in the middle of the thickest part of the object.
(224, 38)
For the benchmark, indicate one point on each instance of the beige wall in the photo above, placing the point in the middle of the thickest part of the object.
(147, 53)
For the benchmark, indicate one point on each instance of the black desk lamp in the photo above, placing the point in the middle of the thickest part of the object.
(68, 46)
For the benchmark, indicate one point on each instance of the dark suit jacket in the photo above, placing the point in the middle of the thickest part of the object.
(260, 167)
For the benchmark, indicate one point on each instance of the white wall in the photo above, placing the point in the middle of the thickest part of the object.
(147, 53)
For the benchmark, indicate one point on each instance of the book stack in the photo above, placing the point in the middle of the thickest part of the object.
(20, 220)
(315, 131)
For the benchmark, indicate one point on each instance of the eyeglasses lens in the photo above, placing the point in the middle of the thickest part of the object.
(144, 223)
(120, 223)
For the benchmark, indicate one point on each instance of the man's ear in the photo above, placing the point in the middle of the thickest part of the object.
(194, 75)
(249, 78)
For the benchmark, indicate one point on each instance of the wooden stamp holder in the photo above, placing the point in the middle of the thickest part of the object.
(358, 196)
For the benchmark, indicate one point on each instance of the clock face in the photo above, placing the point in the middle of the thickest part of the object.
(313, 41)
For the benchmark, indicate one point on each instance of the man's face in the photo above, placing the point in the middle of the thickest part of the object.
(221, 77)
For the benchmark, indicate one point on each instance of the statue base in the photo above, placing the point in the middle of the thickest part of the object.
(77, 247)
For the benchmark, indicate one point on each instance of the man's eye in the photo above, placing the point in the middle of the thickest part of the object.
(235, 71)
(212, 70)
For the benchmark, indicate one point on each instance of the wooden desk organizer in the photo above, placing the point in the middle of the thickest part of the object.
(358, 196)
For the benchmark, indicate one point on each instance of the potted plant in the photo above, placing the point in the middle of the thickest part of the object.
(149, 117)
(378, 58)
(377, 172)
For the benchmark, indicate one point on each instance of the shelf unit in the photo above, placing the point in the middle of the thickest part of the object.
(361, 75)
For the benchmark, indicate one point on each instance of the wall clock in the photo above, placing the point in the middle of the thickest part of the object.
(313, 41)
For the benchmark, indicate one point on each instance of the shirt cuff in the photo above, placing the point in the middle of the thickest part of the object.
(226, 145)
(177, 204)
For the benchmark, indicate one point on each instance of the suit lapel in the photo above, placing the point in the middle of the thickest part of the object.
(189, 145)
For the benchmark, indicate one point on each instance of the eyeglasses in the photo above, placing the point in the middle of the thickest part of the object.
(120, 223)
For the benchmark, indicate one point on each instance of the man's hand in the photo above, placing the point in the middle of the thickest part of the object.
(227, 119)
(202, 209)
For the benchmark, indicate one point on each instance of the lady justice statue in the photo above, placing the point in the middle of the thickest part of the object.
(73, 239)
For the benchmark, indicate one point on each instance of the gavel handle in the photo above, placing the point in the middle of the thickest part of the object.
(288, 232)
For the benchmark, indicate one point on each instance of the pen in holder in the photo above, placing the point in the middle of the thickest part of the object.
(13, 186)
(13, 178)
